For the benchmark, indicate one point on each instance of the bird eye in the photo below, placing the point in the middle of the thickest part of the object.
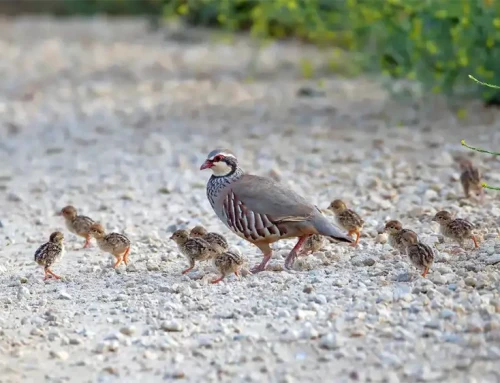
(218, 157)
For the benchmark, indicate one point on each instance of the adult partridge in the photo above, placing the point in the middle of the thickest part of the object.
(261, 210)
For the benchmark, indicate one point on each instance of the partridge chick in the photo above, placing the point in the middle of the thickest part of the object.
(470, 179)
(49, 253)
(228, 262)
(215, 239)
(312, 244)
(194, 249)
(347, 218)
(420, 254)
(77, 224)
(114, 243)
(456, 229)
(395, 230)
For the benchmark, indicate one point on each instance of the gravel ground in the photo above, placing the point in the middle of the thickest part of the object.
(116, 121)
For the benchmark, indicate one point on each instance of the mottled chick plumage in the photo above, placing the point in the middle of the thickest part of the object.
(194, 249)
(215, 239)
(470, 178)
(420, 254)
(77, 224)
(348, 219)
(228, 262)
(312, 244)
(114, 243)
(395, 230)
(457, 229)
(50, 253)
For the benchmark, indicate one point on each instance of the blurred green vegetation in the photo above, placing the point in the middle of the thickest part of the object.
(435, 42)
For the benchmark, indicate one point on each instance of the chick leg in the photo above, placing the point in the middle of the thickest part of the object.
(47, 270)
(357, 239)
(191, 267)
(290, 259)
(87, 241)
(218, 279)
(481, 195)
(426, 270)
(475, 241)
(125, 255)
(118, 261)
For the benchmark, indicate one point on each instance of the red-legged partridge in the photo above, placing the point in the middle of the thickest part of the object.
(77, 224)
(194, 249)
(312, 244)
(215, 239)
(470, 178)
(456, 229)
(261, 210)
(228, 262)
(49, 253)
(114, 243)
(420, 254)
(347, 219)
(395, 230)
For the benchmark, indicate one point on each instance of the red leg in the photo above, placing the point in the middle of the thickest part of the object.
(117, 263)
(263, 264)
(236, 273)
(290, 259)
(87, 241)
(475, 241)
(426, 270)
(51, 273)
(217, 280)
(125, 255)
(357, 238)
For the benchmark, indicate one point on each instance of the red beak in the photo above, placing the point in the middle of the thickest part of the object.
(206, 165)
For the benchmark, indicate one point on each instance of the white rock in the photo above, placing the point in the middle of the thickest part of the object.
(331, 341)
(172, 326)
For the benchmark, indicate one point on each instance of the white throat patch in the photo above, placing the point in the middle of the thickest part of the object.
(221, 168)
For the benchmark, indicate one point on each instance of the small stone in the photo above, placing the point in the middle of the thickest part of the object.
(152, 266)
(493, 260)
(470, 281)
(23, 280)
(23, 292)
(172, 326)
(64, 296)
(447, 314)
(331, 341)
(369, 262)
(61, 355)
(131, 268)
(128, 330)
(36, 332)
(308, 289)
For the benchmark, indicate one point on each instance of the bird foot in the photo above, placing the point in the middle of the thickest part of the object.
(217, 280)
(258, 269)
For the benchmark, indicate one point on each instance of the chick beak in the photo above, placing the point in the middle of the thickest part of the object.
(58, 213)
(206, 165)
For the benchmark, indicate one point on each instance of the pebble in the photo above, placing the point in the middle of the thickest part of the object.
(470, 281)
(128, 330)
(64, 295)
(331, 341)
(172, 326)
(61, 355)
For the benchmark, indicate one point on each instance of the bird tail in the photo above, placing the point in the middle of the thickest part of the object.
(328, 229)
